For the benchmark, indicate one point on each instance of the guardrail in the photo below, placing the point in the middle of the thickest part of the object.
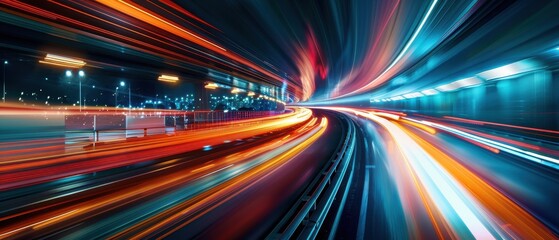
(304, 219)
(89, 127)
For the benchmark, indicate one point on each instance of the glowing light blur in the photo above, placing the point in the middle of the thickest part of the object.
(236, 90)
(384, 76)
(191, 188)
(179, 213)
(462, 142)
(168, 78)
(62, 61)
(413, 95)
(509, 70)
(429, 92)
(48, 167)
(310, 64)
(449, 190)
(145, 15)
(463, 83)
(211, 86)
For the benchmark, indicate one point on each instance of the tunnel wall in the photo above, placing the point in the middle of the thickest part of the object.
(530, 100)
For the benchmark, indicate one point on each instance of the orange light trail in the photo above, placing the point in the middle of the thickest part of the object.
(60, 217)
(151, 18)
(420, 126)
(160, 22)
(522, 223)
(216, 196)
(488, 203)
(164, 49)
(43, 168)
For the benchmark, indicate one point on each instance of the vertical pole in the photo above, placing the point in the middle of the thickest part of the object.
(129, 97)
(4, 83)
(94, 131)
(80, 83)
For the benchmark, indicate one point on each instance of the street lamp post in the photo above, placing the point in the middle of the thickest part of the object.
(69, 74)
(122, 84)
(155, 102)
(129, 97)
(116, 95)
(81, 74)
(4, 81)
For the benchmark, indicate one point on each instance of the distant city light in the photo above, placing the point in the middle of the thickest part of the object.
(68, 73)
(5, 61)
(81, 73)
(122, 84)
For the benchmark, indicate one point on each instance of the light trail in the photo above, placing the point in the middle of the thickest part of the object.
(148, 17)
(47, 168)
(450, 192)
(536, 157)
(222, 194)
(483, 162)
(162, 23)
(500, 124)
(380, 78)
(242, 168)
(161, 45)
(520, 223)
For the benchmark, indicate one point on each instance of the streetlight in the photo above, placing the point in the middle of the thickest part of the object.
(122, 84)
(81, 74)
(116, 95)
(4, 81)
(155, 102)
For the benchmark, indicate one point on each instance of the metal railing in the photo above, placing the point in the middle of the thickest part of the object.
(304, 219)
(93, 127)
